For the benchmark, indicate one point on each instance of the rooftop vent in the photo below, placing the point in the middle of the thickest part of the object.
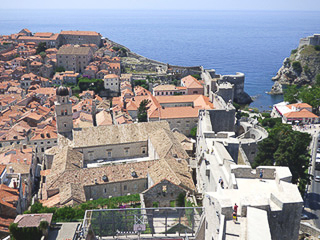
(105, 178)
(134, 174)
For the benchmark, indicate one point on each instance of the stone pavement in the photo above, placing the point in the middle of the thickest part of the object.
(236, 231)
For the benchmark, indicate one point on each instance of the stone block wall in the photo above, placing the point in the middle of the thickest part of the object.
(118, 151)
(222, 120)
(115, 189)
(163, 193)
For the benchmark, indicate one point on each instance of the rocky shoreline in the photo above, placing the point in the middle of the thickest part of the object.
(301, 68)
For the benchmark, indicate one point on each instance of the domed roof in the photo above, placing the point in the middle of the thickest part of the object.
(62, 91)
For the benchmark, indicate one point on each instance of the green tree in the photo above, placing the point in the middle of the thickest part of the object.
(196, 76)
(43, 55)
(60, 69)
(142, 111)
(42, 47)
(291, 94)
(318, 80)
(294, 51)
(285, 147)
(296, 65)
(142, 83)
(181, 200)
(96, 85)
(193, 132)
(176, 82)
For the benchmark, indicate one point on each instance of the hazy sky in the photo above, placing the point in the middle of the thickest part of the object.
(313, 5)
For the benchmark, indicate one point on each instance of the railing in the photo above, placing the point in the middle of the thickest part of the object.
(146, 222)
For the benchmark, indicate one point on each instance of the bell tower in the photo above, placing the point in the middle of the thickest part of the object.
(63, 109)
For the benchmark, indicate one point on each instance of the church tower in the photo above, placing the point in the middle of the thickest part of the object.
(63, 109)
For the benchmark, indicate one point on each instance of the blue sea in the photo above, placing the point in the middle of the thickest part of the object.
(252, 42)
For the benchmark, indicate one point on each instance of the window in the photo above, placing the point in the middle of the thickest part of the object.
(109, 153)
(65, 125)
(42, 149)
(114, 189)
(125, 187)
(126, 151)
(143, 150)
(164, 188)
(41, 142)
(105, 190)
(91, 155)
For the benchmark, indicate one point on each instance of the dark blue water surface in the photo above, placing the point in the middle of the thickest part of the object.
(254, 43)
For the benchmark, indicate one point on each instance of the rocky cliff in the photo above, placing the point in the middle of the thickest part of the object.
(301, 68)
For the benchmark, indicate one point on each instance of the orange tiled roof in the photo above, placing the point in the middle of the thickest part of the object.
(109, 76)
(176, 112)
(299, 105)
(304, 113)
(191, 82)
(43, 34)
(88, 33)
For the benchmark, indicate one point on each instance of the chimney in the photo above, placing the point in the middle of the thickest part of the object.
(94, 114)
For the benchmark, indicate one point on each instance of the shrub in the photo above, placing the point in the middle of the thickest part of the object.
(294, 51)
(180, 200)
(30, 233)
(193, 132)
(318, 79)
(196, 76)
(270, 122)
(266, 115)
(306, 69)
(244, 114)
(297, 67)
(236, 105)
(60, 69)
(317, 47)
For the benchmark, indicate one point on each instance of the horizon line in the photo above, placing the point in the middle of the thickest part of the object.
(153, 9)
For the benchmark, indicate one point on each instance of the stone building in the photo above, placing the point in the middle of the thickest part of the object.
(192, 84)
(74, 58)
(229, 87)
(65, 77)
(79, 37)
(162, 194)
(43, 139)
(113, 160)
(51, 39)
(112, 83)
(162, 90)
(63, 112)
(311, 40)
